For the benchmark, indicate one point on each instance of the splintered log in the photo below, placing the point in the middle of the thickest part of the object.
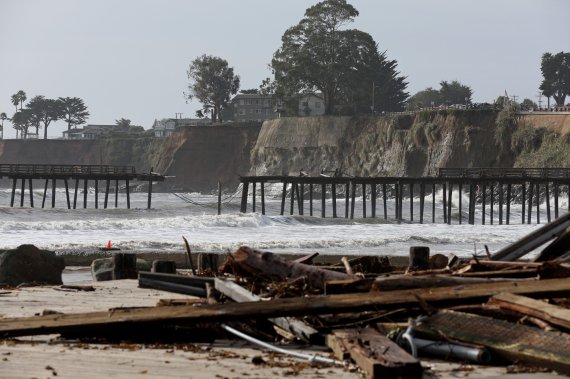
(300, 306)
(296, 327)
(535, 308)
(510, 341)
(375, 354)
(266, 264)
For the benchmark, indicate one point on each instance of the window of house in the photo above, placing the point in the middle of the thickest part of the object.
(258, 111)
(317, 104)
(305, 103)
(242, 112)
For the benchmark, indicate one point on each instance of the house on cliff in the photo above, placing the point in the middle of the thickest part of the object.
(165, 127)
(90, 131)
(257, 107)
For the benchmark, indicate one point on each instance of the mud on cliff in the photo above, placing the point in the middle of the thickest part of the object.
(406, 144)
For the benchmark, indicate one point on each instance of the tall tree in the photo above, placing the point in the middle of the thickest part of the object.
(455, 93)
(123, 124)
(22, 121)
(318, 55)
(423, 99)
(212, 82)
(556, 72)
(18, 99)
(74, 111)
(45, 111)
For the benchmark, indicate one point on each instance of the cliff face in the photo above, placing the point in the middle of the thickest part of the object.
(411, 145)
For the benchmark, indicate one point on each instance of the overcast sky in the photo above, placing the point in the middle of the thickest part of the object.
(128, 58)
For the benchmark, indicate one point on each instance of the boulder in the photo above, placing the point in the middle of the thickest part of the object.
(102, 268)
(28, 264)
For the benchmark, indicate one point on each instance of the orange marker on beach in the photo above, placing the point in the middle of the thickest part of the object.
(109, 245)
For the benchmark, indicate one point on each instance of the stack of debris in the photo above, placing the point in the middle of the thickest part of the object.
(379, 316)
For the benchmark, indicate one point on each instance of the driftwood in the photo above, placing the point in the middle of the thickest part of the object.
(402, 282)
(552, 313)
(557, 248)
(475, 293)
(374, 353)
(249, 261)
(507, 340)
(295, 327)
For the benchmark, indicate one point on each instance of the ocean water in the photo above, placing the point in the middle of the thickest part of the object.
(194, 216)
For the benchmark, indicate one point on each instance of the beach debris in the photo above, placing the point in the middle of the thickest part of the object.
(188, 285)
(28, 264)
(163, 266)
(189, 253)
(102, 268)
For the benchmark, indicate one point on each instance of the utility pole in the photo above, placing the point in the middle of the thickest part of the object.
(539, 99)
(514, 99)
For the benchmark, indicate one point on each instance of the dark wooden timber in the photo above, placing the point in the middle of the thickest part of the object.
(510, 186)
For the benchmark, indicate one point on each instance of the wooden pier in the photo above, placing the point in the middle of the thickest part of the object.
(489, 190)
(66, 173)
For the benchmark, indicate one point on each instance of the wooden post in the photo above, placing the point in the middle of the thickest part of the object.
(67, 194)
(444, 203)
(124, 266)
(244, 190)
(397, 200)
(385, 200)
(422, 200)
(310, 199)
(530, 195)
(23, 193)
(128, 194)
(262, 187)
(523, 201)
(433, 202)
(299, 199)
(538, 203)
(460, 200)
(373, 199)
(163, 266)
(353, 200)
(449, 197)
(323, 199)
(53, 193)
(363, 200)
(14, 184)
(419, 258)
(45, 193)
(31, 192)
(346, 199)
(484, 200)
(253, 195)
(492, 215)
(220, 199)
(107, 187)
(75, 193)
(501, 202)
(97, 194)
(116, 193)
(547, 192)
(333, 194)
(509, 189)
(556, 194)
(85, 193)
(283, 197)
(293, 187)
(411, 201)
(149, 200)
(471, 217)
(401, 202)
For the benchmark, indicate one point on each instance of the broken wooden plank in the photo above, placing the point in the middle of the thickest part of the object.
(533, 240)
(307, 259)
(557, 248)
(401, 282)
(194, 281)
(337, 345)
(172, 287)
(296, 327)
(507, 340)
(266, 264)
(549, 312)
(284, 307)
(377, 355)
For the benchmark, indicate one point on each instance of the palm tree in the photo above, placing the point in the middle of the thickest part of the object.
(16, 100)
(22, 95)
(3, 116)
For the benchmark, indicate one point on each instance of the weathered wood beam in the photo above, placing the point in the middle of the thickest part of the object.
(549, 312)
(302, 306)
